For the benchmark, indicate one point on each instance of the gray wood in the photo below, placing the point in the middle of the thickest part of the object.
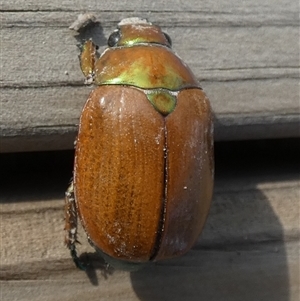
(249, 249)
(233, 275)
(245, 54)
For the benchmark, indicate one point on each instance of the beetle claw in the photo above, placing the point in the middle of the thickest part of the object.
(79, 264)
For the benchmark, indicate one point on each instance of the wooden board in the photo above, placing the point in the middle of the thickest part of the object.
(249, 249)
(245, 54)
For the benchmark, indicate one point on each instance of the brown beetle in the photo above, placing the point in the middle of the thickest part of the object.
(143, 172)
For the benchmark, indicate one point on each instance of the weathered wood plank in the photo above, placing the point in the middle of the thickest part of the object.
(249, 249)
(263, 11)
(245, 54)
(233, 275)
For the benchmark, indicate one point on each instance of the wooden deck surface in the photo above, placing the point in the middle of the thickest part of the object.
(245, 54)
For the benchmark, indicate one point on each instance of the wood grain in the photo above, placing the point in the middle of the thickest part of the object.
(245, 54)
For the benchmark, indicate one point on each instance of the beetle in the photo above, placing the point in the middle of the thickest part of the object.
(143, 170)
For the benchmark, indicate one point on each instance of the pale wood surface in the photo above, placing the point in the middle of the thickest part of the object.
(249, 249)
(245, 54)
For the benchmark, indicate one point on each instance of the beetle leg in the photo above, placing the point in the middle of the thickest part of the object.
(88, 58)
(71, 226)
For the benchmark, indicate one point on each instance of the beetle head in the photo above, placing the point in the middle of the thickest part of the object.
(132, 31)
